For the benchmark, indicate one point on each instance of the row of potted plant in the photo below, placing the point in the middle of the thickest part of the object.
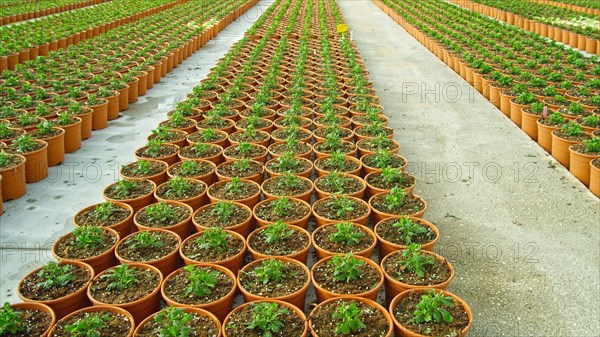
(564, 121)
(15, 12)
(585, 6)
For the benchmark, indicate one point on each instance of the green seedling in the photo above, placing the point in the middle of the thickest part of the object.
(266, 317)
(346, 268)
(213, 238)
(202, 281)
(55, 274)
(433, 307)
(88, 237)
(349, 319)
(346, 233)
(121, 277)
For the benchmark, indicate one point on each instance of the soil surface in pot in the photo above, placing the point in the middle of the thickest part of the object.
(322, 239)
(35, 321)
(200, 326)
(253, 152)
(324, 324)
(294, 279)
(434, 274)
(12, 148)
(53, 132)
(580, 148)
(229, 169)
(180, 214)
(275, 166)
(199, 137)
(298, 148)
(131, 170)
(176, 287)
(324, 273)
(596, 162)
(67, 247)
(205, 218)
(410, 205)
(216, 124)
(566, 136)
(275, 187)
(345, 147)
(139, 189)
(267, 212)
(293, 325)
(399, 236)
(195, 189)
(115, 324)
(286, 246)
(327, 211)
(133, 250)
(250, 138)
(297, 134)
(377, 180)
(93, 218)
(194, 250)
(322, 132)
(395, 161)
(146, 281)
(199, 169)
(371, 144)
(165, 150)
(348, 185)
(404, 313)
(326, 165)
(206, 152)
(246, 190)
(30, 287)
(13, 161)
(170, 136)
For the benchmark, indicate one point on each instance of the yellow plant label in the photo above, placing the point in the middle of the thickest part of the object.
(342, 28)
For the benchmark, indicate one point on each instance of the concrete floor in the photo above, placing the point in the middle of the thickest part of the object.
(510, 217)
(522, 233)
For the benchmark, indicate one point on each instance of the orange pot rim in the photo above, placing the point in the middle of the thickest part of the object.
(296, 310)
(421, 220)
(396, 215)
(240, 200)
(330, 253)
(178, 203)
(233, 258)
(127, 201)
(346, 220)
(235, 203)
(166, 257)
(438, 257)
(97, 308)
(290, 256)
(111, 250)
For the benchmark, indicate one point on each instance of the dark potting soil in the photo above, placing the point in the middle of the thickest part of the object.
(282, 134)
(30, 289)
(220, 124)
(53, 132)
(246, 190)
(349, 185)
(171, 136)
(293, 121)
(117, 326)
(237, 326)
(295, 278)
(129, 251)
(89, 217)
(12, 162)
(242, 137)
(547, 122)
(67, 248)
(404, 313)
(146, 282)
(376, 180)
(411, 205)
(287, 246)
(363, 119)
(266, 212)
(566, 111)
(326, 211)
(273, 187)
(580, 148)
(322, 240)
(323, 121)
(262, 123)
(228, 170)
(12, 148)
(325, 165)
(254, 152)
(397, 161)
(140, 189)
(190, 152)
(202, 168)
(370, 145)
(36, 323)
(200, 326)
(206, 219)
(390, 233)
(324, 324)
(346, 147)
(165, 150)
(130, 171)
(361, 131)
(175, 288)
(10, 134)
(323, 275)
(322, 132)
(171, 124)
(199, 138)
(143, 218)
(434, 274)
(196, 189)
(281, 148)
(596, 162)
(578, 138)
(193, 251)
(303, 165)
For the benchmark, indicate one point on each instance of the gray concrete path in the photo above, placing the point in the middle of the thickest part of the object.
(522, 233)
(32, 223)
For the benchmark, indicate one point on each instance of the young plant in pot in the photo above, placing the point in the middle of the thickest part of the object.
(224, 214)
(291, 211)
(373, 129)
(242, 168)
(94, 246)
(288, 185)
(156, 247)
(288, 162)
(338, 208)
(278, 278)
(159, 150)
(343, 275)
(60, 285)
(173, 321)
(215, 245)
(298, 148)
(206, 151)
(338, 162)
(569, 134)
(206, 286)
(246, 151)
(136, 193)
(396, 202)
(580, 157)
(169, 136)
(350, 316)
(209, 135)
(546, 125)
(397, 233)
(430, 312)
(250, 135)
(26, 319)
(375, 162)
(95, 321)
(411, 267)
(279, 239)
(244, 191)
(343, 238)
(334, 143)
(154, 170)
(133, 287)
(12, 171)
(372, 145)
(36, 155)
(114, 215)
(340, 183)
(388, 178)
(265, 318)
(54, 137)
(169, 215)
(188, 191)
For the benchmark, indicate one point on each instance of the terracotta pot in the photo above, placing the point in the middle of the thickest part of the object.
(358, 194)
(393, 287)
(39, 307)
(123, 228)
(381, 215)
(261, 159)
(385, 247)
(189, 310)
(100, 115)
(99, 262)
(182, 229)
(166, 264)
(364, 151)
(529, 124)
(158, 178)
(367, 301)
(86, 123)
(216, 159)
(56, 148)
(220, 308)
(297, 298)
(545, 135)
(250, 201)
(595, 178)
(135, 203)
(404, 332)
(320, 221)
(323, 253)
(306, 173)
(372, 190)
(324, 294)
(243, 228)
(207, 178)
(169, 159)
(300, 256)
(98, 308)
(13, 181)
(293, 308)
(356, 172)
(580, 165)
(560, 149)
(233, 263)
(64, 305)
(516, 114)
(302, 223)
(72, 136)
(36, 165)
(258, 177)
(141, 308)
(304, 196)
(194, 202)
